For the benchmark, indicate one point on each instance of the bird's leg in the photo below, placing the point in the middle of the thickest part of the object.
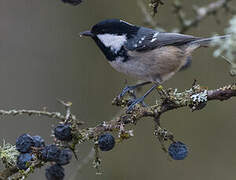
(129, 88)
(139, 100)
(161, 91)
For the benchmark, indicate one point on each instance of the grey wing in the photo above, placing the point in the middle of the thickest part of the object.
(153, 39)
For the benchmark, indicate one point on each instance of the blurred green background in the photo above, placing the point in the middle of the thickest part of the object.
(43, 58)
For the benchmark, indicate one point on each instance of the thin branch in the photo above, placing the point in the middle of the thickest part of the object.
(185, 23)
(55, 115)
(148, 18)
(201, 13)
(154, 4)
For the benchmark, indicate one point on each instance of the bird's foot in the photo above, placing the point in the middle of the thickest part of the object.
(134, 102)
(125, 90)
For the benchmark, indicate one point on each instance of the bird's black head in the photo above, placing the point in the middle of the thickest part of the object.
(116, 27)
(111, 36)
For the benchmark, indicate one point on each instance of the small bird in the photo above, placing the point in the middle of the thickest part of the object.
(144, 53)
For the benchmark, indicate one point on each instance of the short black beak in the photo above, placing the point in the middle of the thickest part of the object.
(86, 33)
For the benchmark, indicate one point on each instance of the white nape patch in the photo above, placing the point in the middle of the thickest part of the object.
(115, 42)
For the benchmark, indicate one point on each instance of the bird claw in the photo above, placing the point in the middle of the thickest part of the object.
(127, 89)
(124, 91)
(130, 89)
(136, 101)
(143, 104)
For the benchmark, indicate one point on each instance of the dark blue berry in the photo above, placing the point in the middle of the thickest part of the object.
(50, 153)
(63, 132)
(55, 172)
(23, 160)
(178, 150)
(24, 143)
(38, 141)
(106, 142)
(64, 157)
(72, 2)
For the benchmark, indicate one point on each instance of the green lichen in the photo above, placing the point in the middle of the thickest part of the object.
(8, 154)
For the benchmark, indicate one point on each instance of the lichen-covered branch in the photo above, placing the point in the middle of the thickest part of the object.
(190, 98)
(221, 94)
(196, 98)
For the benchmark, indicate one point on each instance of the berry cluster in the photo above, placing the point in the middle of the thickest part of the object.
(54, 154)
(60, 157)
(33, 148)
(24, 145)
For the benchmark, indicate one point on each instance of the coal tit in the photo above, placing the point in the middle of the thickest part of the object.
(144, 53)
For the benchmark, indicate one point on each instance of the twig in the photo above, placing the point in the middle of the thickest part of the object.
(148, 18)
(154, 4)
(201, 13)
(185, 23)
(67, 105)
(56, 115)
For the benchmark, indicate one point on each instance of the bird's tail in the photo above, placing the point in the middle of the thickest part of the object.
(205, 42)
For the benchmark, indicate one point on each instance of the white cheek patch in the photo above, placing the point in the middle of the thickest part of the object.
(115, 42)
